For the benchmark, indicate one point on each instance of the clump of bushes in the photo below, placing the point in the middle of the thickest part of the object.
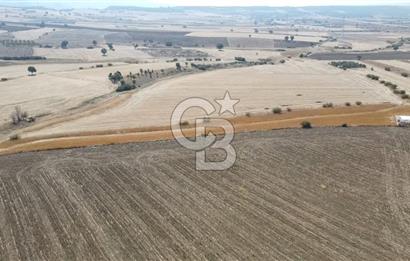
(115, 77)
(388, 69)
(405, 96)
(348, 104)
(277, 110)
(390, 85)
(359, 103)
(405, 75)
(240, 59)
(373, 77)
(344, 125)
(328, 105)
(306, 125)
(99, 66)
(125, 86)
(4, 79)
(347, 65)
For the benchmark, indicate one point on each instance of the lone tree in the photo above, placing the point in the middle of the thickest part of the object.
(32, 70)
(95, 42)
(111, 46)
(115, 77)
(292, 38)
(64, 44)
(104, 51)
(220, 46)
(178, 65)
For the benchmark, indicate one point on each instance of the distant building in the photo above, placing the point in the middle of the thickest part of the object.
(403, 121)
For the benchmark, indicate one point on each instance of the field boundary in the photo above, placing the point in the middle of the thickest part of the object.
(370, 115)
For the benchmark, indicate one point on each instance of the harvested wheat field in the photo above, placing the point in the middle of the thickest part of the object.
(296, 84)
(321, 194)
(125, 53)
(59, 87)
(33, 34)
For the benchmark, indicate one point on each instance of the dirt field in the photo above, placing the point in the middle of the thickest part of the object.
(322, 194)
(295, 84)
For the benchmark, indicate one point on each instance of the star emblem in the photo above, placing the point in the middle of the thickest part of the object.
(227, 104)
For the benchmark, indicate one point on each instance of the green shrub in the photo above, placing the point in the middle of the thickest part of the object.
(115, 77)
(277, 110)
(306, 125)
(125, 86)
(373, 77)
(347, 65)
(240, 59)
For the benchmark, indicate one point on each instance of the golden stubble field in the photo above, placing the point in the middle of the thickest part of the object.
(297, 84)
(58, 87)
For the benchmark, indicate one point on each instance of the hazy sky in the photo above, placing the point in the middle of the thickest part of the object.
(277, 2)
(104, 3)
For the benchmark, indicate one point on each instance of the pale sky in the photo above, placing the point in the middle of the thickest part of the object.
(275, 2)
(151, 3)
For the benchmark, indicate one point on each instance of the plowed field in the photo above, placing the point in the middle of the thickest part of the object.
(321, 194)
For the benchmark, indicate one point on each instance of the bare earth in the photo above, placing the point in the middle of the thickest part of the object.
(322, 194)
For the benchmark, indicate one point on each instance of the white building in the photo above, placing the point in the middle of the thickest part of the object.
(403, 121)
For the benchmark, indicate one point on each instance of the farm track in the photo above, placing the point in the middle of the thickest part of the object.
(371, 115)
(321, 194)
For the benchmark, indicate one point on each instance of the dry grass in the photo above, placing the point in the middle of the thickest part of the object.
(296, 84)
(121, 53)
